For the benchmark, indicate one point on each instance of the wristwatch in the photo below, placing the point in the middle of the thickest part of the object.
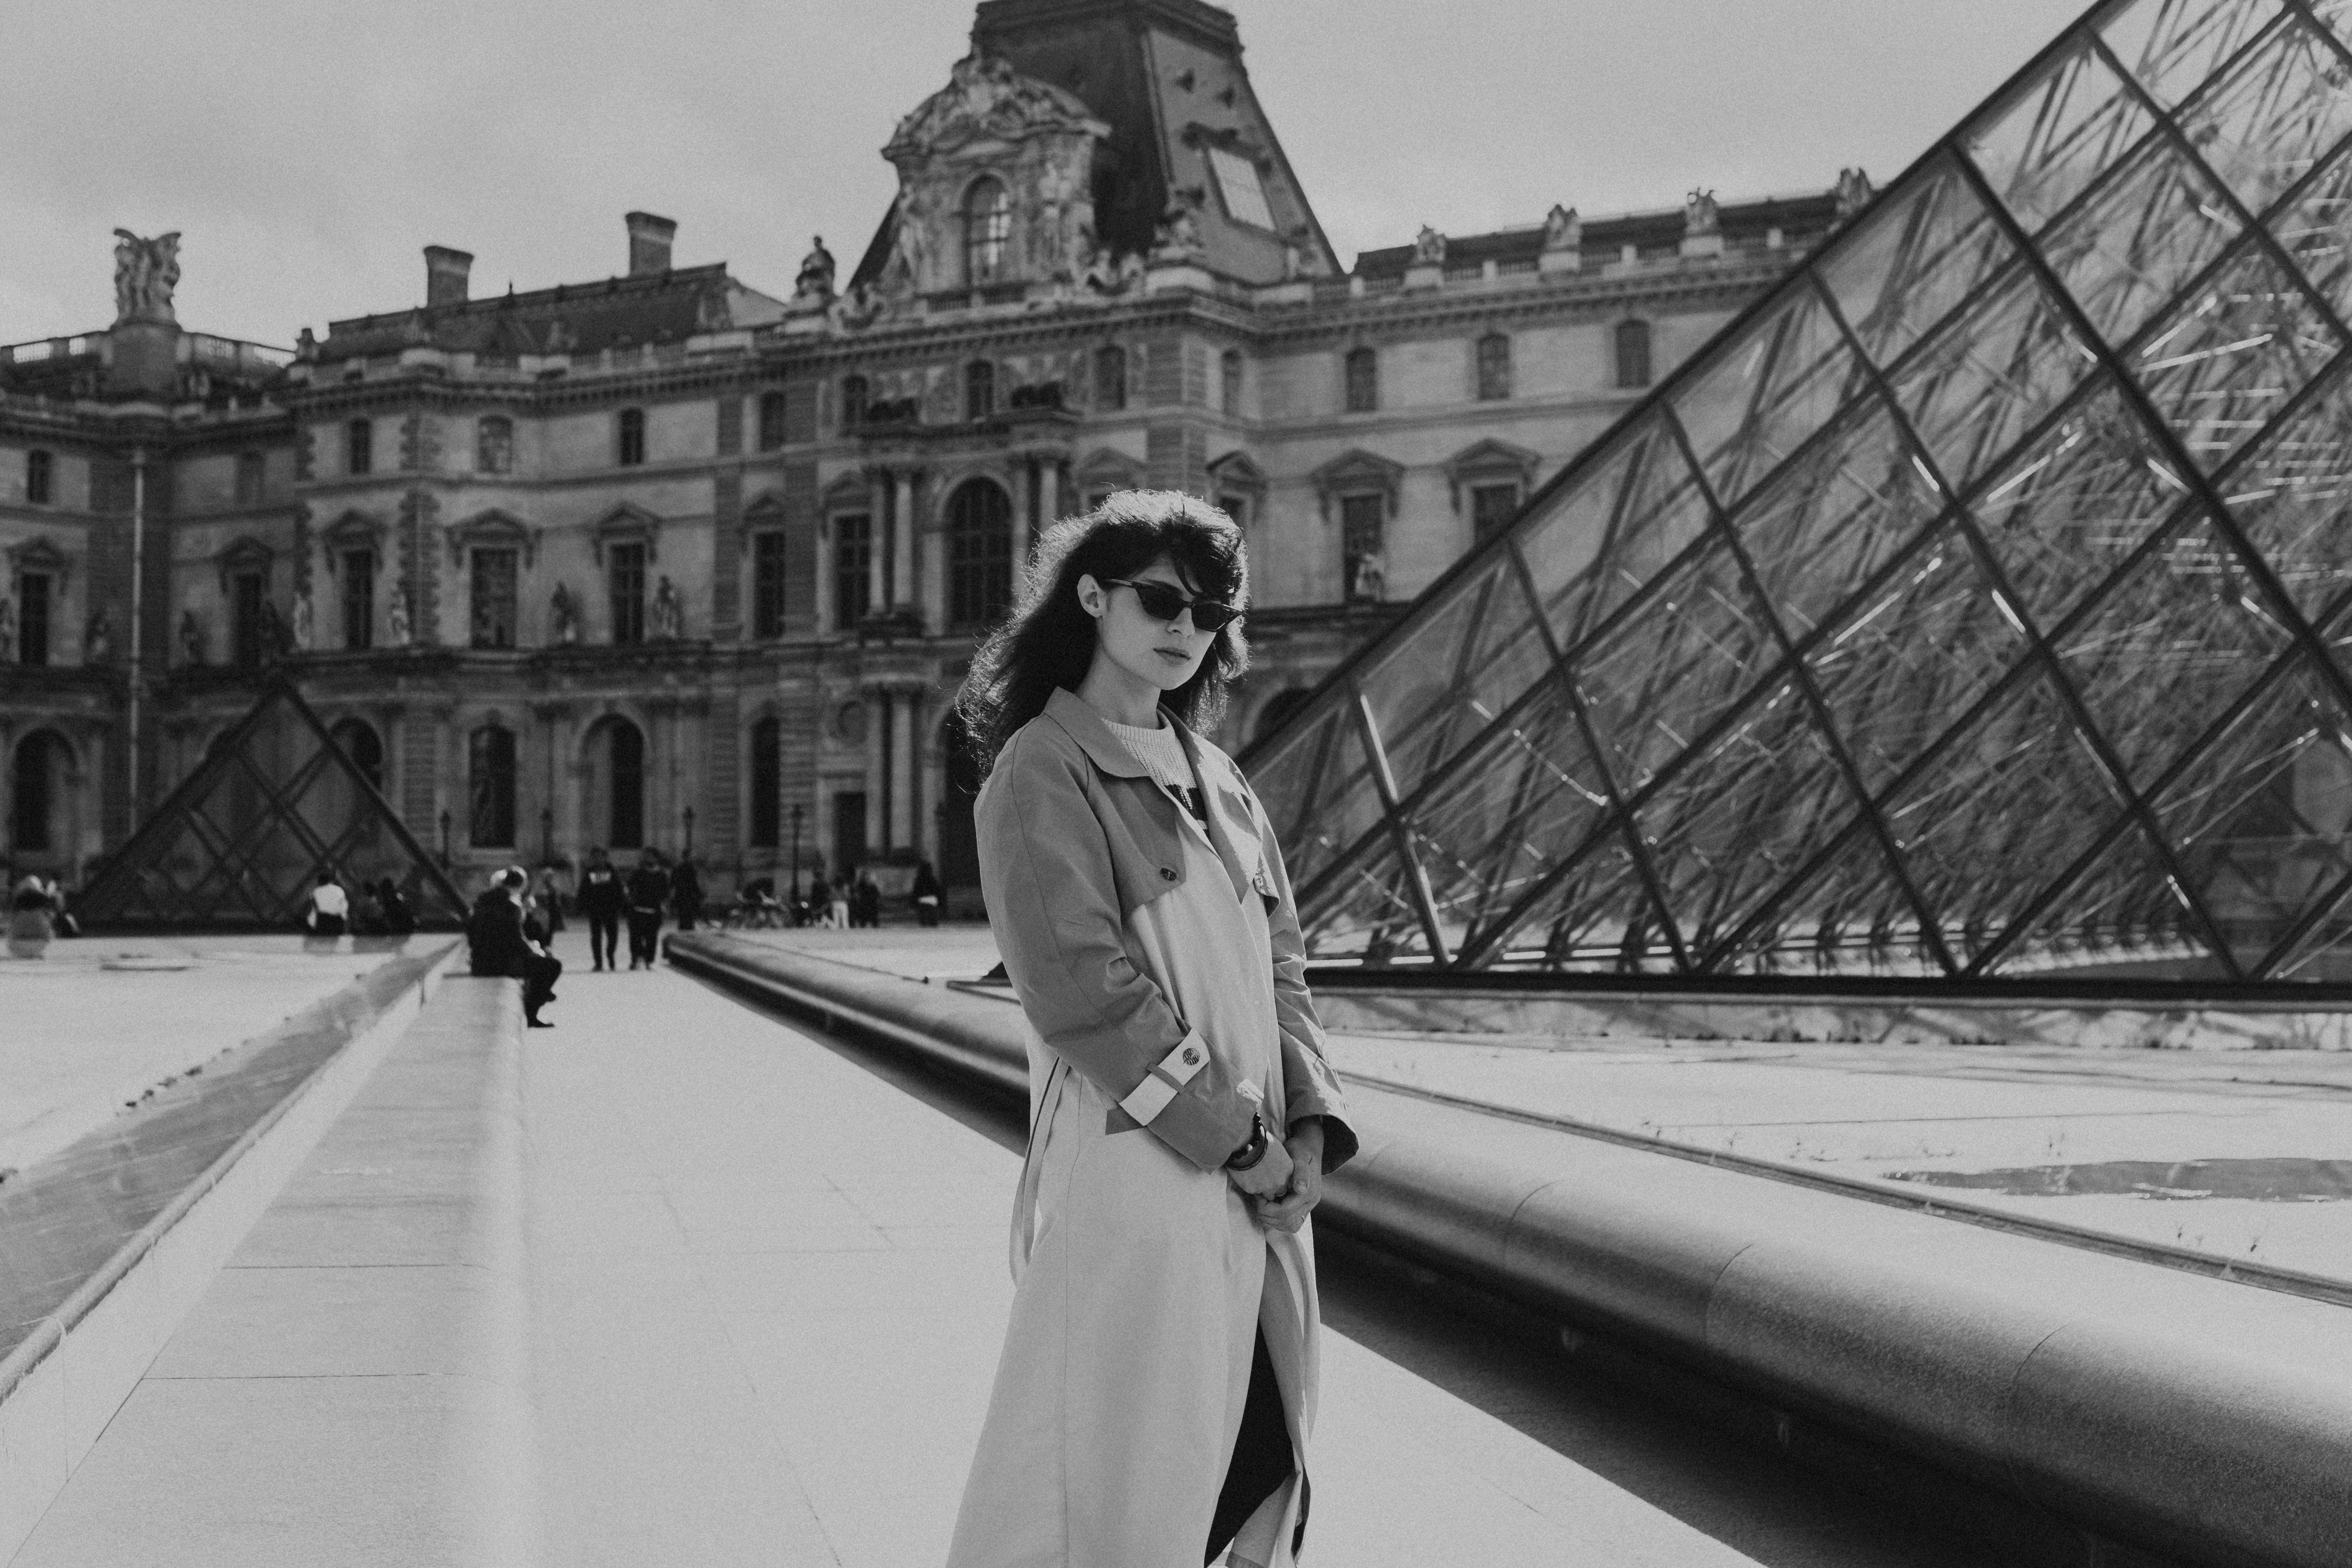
(1251, 1153)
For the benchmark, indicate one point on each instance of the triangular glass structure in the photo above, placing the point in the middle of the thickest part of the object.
(241, 842)
(1978, 603)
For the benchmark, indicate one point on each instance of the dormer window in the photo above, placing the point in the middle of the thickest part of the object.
(987, 230)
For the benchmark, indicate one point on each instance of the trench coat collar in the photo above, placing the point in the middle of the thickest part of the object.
(1079, 719)
(1091, 730)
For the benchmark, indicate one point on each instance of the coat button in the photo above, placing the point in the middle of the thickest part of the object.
(1167, 873)
(1191, 1058)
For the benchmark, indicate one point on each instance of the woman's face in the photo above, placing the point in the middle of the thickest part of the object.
(1161, 653)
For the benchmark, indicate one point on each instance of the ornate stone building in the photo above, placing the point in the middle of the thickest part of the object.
(665, 560)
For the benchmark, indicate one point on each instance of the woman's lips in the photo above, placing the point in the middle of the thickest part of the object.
(1174, 655)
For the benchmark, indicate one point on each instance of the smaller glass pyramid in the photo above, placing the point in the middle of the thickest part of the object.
(241, 842)
(1976, 605)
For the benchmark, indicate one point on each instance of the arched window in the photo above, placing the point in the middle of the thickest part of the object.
(987, 231)
(980, 554)
(40, 480)
(1633, 354)
(1364, 379)
(359, 742)
(855, 396)
(490, 787)
(979, 389)
(359, 447)
(494, 444)
(1493, 367)
(1229, 383)
(39, 794)
(616, 758)
(767, 783)
(1110, 378)
(772, 421)
(631, 442)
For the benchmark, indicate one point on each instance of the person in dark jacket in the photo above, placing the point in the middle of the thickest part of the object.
(865, 901)
(686, 894)
(601, 901)
(820, 900)
(926, 893)
(392, 907)
(648, 890)
(497, 945)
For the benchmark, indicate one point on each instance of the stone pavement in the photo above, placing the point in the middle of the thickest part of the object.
(768, 1290)
(102, 1019)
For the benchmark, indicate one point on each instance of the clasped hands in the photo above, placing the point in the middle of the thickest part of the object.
(1287, 1181)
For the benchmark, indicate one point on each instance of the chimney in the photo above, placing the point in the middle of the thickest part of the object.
(446, 272)
(649, 238)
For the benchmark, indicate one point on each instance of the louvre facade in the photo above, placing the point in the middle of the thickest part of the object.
(1973, 607)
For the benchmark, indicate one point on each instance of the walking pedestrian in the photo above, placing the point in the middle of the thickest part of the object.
(686, 893)
(648, 890)
(497, 944)
(820, 900)
(601, 900)
(550, 900)
(838, 911)
(926, 893)
(866, 902)
(392, 905)
(1155, 1394)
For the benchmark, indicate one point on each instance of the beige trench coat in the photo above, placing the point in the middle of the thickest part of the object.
(1161, 970)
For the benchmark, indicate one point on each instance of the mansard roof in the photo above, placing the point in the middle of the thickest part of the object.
(574, 318)
(1167, 77)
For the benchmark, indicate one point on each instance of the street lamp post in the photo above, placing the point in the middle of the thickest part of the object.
(444, 839)
(689, 833)
(547, 835)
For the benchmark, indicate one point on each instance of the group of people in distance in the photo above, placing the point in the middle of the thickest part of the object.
(381, 909)
(608, 896)
(844, 902)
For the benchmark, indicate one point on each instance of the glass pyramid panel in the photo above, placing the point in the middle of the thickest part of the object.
(1978, 605)
(2314, 227)
(2233, 352)
(2171, 648)
(244, 839)
(2270, 118)
(1529, 800)
(2173, 47)
(1912, 656)
(2259, 820)
(2290, 498)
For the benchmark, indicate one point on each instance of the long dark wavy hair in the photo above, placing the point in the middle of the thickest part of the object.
(1048, 641)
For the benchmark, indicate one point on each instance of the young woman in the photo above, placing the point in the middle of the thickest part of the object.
(1157, 1389)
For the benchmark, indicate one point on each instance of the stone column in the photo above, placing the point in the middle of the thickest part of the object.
(1024, 502)
(877, 778)
(877, 546)
(931, 578)
(904, 738)
(822, 599)
(902, 547)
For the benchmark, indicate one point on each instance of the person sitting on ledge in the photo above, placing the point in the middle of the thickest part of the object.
(494, 934)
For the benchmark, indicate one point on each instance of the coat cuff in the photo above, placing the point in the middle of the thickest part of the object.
(1339, 1138)
(1167, 1078)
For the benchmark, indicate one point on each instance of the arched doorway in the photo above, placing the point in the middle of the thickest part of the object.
(40, 829)
(616, 807)
(958, 842)
(359, 742)
(980, 554)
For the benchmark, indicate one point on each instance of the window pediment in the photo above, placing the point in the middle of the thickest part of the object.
(850, 492)
(1235, 471)
(1108, 469)
(1358, 473)
(243, 555)
(496, 528)
(41, 554)
(628, 524)
(1486, 462)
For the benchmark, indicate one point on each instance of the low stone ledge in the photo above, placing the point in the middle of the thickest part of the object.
(2208, 1420)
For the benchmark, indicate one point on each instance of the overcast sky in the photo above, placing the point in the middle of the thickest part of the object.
(308, 149)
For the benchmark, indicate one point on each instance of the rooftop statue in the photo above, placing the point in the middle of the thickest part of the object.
(1700, 215)
(145, 273)
(815, 280)
(1428, 248)
(1563, 230)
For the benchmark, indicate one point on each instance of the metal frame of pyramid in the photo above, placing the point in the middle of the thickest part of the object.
(1970, 609)
(240, 842)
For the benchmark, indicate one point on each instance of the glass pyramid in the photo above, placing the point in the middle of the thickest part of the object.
(1977, 605)
(241, 842)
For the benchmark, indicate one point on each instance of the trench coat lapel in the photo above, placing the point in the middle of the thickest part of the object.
(1236, 844)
